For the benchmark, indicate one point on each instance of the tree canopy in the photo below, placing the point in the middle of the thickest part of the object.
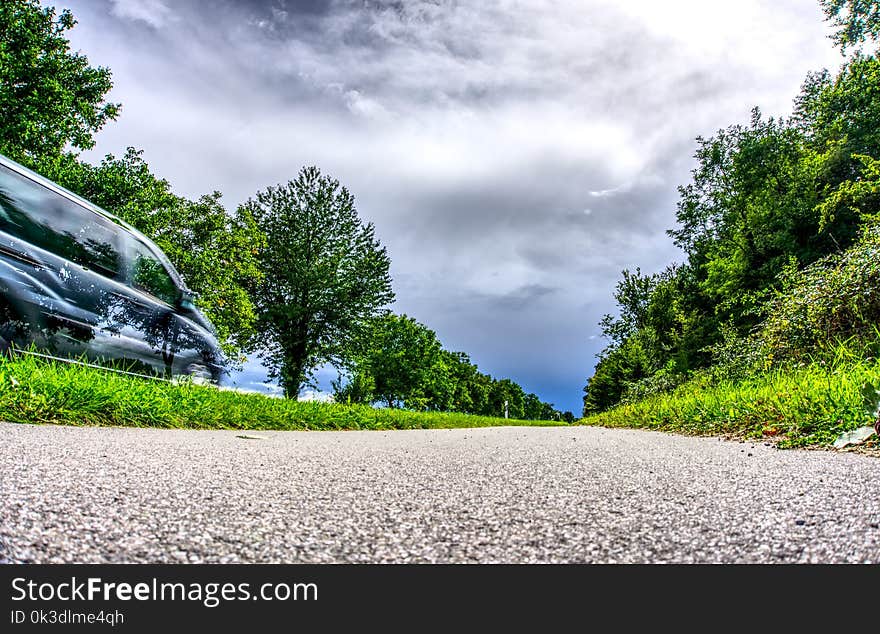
(325, 275)
(50, 97)
(400, 363)
(856, 21)
(399, 358)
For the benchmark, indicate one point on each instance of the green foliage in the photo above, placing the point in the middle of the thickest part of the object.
(124, 186)
(834, 299)
(854, 197)
(34, 391)
(633, 296)
(400, 363)
(793, 405)
(506, 391)
(400, 359)
(750, 208)
(842, 111)
(325, 275)
(50, 97)
(766, 199)
(856, 21)
(466, 389)
(618, 368)
(871, 400)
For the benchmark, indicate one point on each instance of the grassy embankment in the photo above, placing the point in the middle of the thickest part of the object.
(35, 391)
(806, 405)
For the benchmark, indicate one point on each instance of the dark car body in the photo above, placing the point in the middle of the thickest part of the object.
(78, 283)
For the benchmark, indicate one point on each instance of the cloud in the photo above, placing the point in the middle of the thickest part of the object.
(514, 158)
(153, 12)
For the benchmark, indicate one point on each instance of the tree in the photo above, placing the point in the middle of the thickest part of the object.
(750, 208)
(325, 272)
(841, 113)
(856, 21)
(468, 393)
(50, 97)
(618, 367)
(632, 294)
(506, 391)
(771, 196)
(122, 185)
(533, 408)
(400, 360)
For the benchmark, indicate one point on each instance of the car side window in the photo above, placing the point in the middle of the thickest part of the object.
(146, 273)
(45, 219)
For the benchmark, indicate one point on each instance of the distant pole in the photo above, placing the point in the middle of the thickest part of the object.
(505, 409)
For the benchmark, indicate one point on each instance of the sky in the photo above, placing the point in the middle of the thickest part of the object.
(514, 155)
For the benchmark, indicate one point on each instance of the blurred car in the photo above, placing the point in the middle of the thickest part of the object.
(78, 283)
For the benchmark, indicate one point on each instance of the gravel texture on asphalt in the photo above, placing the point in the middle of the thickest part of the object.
(571, 494)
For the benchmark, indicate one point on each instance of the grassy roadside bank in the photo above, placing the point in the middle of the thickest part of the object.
(35, 391)
(810, 405)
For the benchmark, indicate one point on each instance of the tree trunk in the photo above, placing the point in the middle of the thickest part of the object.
(293, 372)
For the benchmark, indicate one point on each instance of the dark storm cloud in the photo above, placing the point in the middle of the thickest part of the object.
(514, 155)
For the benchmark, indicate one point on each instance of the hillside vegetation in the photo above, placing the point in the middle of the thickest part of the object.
(769, 327)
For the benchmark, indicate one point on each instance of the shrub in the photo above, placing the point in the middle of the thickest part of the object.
(834, 299)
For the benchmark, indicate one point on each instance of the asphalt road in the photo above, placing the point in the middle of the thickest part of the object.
(490, 495)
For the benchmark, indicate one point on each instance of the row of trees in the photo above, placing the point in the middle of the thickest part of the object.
(765, 198)
(293, 272)
(402, 364)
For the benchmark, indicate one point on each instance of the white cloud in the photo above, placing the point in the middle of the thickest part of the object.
(315, 397)
(362, 105)
(153, 12)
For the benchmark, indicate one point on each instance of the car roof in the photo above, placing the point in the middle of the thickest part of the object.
(66, 193)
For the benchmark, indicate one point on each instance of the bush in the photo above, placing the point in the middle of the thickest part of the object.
(832, 300)
(793, 405)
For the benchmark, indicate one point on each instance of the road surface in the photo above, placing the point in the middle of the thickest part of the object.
(489, 495)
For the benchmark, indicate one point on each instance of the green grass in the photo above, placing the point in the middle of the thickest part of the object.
(37, 391)
(806, 405)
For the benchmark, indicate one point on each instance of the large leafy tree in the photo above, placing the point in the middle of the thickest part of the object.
(50, 97)
(750, 207)
(325, 272)
(401, 362)
(470, 388)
